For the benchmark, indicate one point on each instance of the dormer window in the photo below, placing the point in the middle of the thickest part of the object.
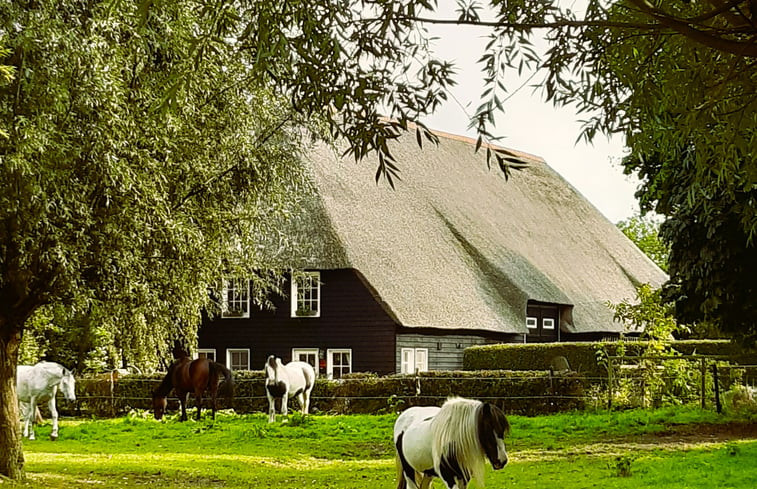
(235, 298)
(306, 294)
(542, 321)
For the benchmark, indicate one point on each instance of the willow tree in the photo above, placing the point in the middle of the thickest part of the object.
(120, 187)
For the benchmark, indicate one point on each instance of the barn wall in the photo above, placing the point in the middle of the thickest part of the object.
(350, 318)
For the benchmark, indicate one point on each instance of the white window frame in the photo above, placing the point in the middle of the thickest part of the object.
(296, 302)
(532, 322)
(413, 360)
(548, 323)
(207, 352)
(229, 286)
(296, 352)
(330, 361)
(229, 351)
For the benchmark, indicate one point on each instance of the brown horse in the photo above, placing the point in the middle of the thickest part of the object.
(187, 376)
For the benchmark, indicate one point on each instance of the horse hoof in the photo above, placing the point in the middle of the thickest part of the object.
(53, 437)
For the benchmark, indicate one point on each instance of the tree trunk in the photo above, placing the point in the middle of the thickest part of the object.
(11, 453)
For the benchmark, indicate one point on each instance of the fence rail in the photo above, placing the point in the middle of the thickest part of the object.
(630, 382)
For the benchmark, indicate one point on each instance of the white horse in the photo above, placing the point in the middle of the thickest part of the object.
(40, 382)
(295, 379)
(450, 443)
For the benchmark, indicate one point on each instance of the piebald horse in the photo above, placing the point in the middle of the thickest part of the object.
(197, 376)
(42, 381)
(295, 379)
(451, 443)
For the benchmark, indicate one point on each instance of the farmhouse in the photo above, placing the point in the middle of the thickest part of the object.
(404, 279)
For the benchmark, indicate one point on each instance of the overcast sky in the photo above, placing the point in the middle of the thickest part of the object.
(536, 127)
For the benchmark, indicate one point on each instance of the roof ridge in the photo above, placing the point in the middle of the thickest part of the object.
(472, 141)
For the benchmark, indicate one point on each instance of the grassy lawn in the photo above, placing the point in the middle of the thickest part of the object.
(582, 450)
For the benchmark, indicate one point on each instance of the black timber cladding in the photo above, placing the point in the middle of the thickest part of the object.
(350, 317)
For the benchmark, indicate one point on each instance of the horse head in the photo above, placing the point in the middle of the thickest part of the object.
(272, 368)
(159, 404)
(492, 428)
(68, 385)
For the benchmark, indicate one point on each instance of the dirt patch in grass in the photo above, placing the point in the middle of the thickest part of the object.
(696, 434)
(677, 437)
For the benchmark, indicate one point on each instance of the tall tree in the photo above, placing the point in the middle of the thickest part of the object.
(121, 189)
(645, 233)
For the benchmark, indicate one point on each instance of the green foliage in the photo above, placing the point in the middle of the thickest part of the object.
(127, 188)
(677, 80)
(622, 465)
(55, 334)
(663, 382)
(644, 233)
(587, 358)
(649, 316)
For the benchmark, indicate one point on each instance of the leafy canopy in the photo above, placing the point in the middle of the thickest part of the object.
(644, 232)
(120, 188)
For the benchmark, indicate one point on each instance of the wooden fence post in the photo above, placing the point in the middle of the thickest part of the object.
(609, 383)
(718, 406)
(703, 393)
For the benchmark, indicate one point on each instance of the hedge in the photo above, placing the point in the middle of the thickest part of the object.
(582, 356)
(522, 392)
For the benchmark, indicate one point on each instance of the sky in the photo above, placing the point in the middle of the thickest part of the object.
(534, 126)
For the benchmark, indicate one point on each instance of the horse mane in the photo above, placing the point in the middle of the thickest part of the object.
(455, 435)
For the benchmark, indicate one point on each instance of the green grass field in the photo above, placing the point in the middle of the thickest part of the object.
(670, 448)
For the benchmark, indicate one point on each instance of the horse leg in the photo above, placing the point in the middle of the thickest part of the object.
(30, 417)
(284, 404)
(271, 407)
(183, 400)
(306, 407)
(412, 483)
(301, 401)
(198, 403)
(54, 416)
(426, 481)
(213, 397)
(25, 409)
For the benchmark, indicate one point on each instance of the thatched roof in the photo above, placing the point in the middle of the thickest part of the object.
(455, 246)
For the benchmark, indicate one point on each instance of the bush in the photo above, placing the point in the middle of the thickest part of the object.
(582, 356)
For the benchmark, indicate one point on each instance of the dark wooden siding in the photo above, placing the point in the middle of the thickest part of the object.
(350, 318)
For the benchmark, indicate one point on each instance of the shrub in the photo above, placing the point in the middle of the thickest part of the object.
(522, 392)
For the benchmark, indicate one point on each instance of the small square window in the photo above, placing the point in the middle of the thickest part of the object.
(306, 295)
(531, 323)
(338, 363)
(238, 358)
(548, 323)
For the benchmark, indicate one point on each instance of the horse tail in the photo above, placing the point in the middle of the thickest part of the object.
(227, 385)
